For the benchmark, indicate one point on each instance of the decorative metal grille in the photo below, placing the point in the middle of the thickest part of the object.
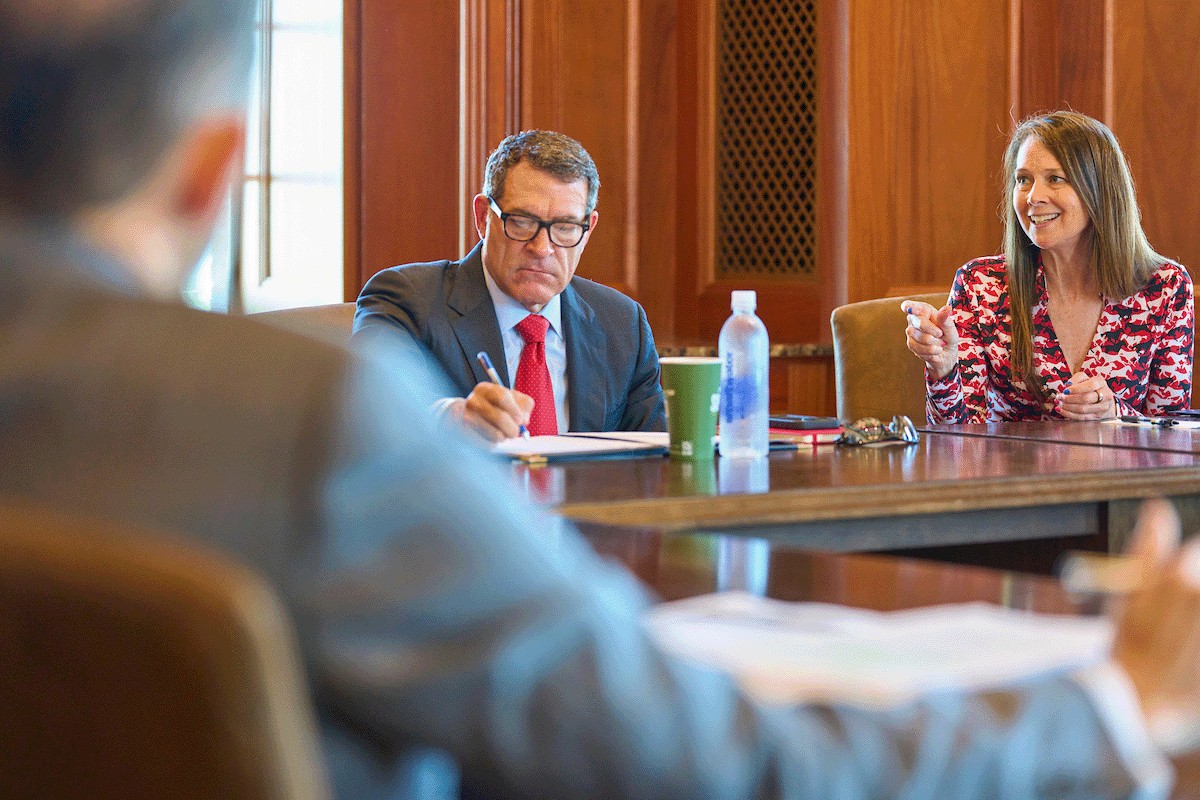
(766, 140)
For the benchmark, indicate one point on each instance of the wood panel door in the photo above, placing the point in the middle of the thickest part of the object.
(761, 170)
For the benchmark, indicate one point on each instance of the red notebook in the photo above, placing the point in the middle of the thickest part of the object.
(810, 437)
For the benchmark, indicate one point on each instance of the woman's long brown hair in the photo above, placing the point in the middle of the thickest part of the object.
(1122, 259)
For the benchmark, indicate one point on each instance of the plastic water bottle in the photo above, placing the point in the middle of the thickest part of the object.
(745, 359)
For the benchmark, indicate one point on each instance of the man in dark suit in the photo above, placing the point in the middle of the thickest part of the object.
(434, 610)
(534, 217)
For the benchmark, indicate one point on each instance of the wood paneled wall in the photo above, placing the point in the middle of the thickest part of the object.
(917, 98)
(936, 87)
(439, 86)
(1155, 73)
(403, 137)
(929, 102)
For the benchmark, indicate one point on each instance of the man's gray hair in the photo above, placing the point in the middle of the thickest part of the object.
(549, 151)
(92, 94)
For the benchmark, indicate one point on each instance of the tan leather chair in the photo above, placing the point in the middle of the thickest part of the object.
(332, 323)
(135, 668)
(876, 374)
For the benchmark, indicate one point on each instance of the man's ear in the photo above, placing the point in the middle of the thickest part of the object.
(481, 207)
(212, 152)
(592, 220)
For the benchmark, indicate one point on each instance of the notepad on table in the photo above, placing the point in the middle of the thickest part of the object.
(568, 446)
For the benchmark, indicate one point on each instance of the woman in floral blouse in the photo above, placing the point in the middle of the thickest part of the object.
(1080, 318)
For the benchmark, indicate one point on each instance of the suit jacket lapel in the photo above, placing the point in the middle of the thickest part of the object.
(473, 319)
(587, 372)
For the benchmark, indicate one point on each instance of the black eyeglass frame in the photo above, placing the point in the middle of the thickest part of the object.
(541, 223)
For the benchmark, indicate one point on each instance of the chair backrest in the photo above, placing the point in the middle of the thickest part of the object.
(332, 323)
(132, 667)
(876, 374)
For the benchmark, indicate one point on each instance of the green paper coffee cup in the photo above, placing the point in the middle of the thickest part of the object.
(692, 388)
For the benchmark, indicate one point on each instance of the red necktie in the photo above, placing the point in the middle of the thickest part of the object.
(532, 376)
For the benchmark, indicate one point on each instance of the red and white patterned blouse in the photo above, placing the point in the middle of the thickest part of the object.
(1142, 349)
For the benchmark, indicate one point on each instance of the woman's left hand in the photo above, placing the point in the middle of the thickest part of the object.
(1087, 397)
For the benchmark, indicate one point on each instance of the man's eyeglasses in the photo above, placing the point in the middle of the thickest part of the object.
(521, 228)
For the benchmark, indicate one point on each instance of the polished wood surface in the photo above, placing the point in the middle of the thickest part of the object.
(683, 565)
(1014, 503)
(1096, 434)
(944, 473)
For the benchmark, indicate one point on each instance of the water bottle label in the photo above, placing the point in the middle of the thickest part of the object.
(738, 397)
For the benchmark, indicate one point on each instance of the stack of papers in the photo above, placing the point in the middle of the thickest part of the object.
(791, 653)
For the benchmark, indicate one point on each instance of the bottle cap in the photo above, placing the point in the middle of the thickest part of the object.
(744, 300)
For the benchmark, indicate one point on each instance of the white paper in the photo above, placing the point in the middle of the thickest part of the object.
(788, 653)
(573, 445)
(657, 438)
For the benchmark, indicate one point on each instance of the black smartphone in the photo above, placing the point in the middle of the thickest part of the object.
(803, 422)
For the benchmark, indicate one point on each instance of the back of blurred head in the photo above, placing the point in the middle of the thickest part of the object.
(122, 119)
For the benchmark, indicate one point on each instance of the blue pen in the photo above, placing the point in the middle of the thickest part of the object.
(486, 363)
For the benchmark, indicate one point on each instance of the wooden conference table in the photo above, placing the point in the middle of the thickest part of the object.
(678, 565)
(1011, 495)
(1121, 512)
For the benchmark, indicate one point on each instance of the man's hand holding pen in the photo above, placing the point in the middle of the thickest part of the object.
(493, 411)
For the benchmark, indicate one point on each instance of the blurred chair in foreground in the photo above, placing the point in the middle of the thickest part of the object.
(876, 374)
(140, 668)
(331, 323)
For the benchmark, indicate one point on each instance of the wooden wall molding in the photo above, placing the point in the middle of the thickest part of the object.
(491, 94)
(352, 185)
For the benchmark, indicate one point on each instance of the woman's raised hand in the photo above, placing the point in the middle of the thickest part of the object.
(932, 336)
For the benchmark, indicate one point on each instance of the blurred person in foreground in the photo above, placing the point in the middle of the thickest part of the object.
(433, 610)
(1080, 318)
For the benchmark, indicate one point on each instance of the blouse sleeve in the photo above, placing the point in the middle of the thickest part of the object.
(961, 395)
(1170, 386)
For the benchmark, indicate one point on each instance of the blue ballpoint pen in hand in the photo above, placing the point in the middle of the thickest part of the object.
(486, 363)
